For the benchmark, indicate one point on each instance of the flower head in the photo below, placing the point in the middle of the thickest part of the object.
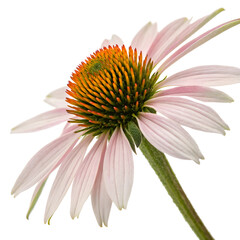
(115, 97)
(110, 89)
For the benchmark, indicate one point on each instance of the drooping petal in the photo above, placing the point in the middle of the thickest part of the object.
(168, 137)
(211, 75)
(44, 161)
(165, 37)
(179, 35)
(113, 41)
(42, 121)
(36, 194)
(86, 175)
(189, 113)
(65, 176)
(204, 94)
(118, 169)
(188, 47)
(57, 98)
(144, 38)
(101, 202)
(40, 185)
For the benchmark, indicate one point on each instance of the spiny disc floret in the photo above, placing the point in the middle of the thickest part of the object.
(110, 88)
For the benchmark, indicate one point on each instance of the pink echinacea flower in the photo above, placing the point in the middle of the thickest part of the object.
(115, 98)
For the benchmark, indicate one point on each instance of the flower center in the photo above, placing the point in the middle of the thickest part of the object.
(110, 88)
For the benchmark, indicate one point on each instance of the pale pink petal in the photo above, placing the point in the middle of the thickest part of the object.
(41, 184)
(165, 37)
(68, 127)
(57, 98)
(188, 47)
(168, 137)
(204, 94)
(115, 40)
(86, 175)
(44, 161)
(68, 151)
(35, 196)
(42, 121)
(118, 169)
(101, 202)
(211, 75)
(189, 113)
(36, 190)
(59, 93)
(180, 35)
(144, 38)
(65, 176)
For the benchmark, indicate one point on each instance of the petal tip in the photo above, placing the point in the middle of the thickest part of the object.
(47, 99)
(196, 160)
(72, 215)
(227, 128)
(220, 10)
(120, 207)
(47, 219)
(105, 222)
(14, 191)
(14, 130)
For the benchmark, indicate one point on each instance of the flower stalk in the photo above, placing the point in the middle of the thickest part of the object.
(161, 166)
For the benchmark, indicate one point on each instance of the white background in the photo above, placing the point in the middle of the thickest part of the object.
(41, 43)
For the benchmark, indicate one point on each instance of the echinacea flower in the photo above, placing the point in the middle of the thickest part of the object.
(120, 99)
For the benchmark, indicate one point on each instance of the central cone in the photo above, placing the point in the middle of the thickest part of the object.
(110, 88)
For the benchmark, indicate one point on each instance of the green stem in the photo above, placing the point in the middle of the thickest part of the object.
(160, 164)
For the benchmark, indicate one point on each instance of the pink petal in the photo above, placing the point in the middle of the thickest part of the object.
(205, 94)
(101, 202)
(86, 175)
(188, 47)
(118, 169)
(168, 137)
(69, 127)
(44, 162)
(180, 35)
(57, 98)
(42, 121)
(36, 195)
(189, 113)
(144, 38)
(165, 37)
(65, 176)
(39, 185)
(115, 40)
(211, 75)
(42, 182)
